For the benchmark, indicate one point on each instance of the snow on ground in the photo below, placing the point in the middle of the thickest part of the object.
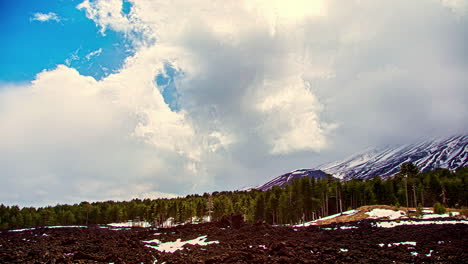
(430, 216)
(391, 224)
(408, 243)
(178, 244)
(130, 224)
(157, 241)
(348, 227)
(350, 212)
(341, 227)
(385, 213)
(28, 229)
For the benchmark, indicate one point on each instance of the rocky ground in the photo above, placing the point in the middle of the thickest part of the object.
(353, 242)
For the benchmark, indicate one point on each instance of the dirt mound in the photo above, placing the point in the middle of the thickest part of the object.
(353, 242)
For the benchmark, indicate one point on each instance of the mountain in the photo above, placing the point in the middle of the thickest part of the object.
(449, 153)
(289, 177)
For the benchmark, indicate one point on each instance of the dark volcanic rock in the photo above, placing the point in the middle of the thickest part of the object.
(247, 244)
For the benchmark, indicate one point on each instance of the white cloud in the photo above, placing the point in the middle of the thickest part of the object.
(108, 14)
(43, 17)
(459, 7)
(74, 131)
(93, 54)
(291, 117)
(264, 86)
(73, 57)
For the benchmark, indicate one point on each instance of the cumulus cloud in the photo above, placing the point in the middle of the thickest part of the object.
(43, 17)
(67, 137)
(264, 87)
(108, 14)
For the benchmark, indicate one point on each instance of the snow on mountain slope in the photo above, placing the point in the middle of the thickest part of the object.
(450, 153)
(289, 177)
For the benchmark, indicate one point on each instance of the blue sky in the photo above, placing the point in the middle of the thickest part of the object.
(30, 46)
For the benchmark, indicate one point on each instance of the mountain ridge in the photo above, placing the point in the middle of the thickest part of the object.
(443, 152)
(286, 178)
(448, 153)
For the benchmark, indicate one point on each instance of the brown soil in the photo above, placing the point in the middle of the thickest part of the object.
(240, 244)
(361, 214)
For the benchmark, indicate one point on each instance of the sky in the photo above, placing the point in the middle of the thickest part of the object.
(114, 100)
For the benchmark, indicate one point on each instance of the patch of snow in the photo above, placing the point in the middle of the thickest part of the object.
(430, 216)
(343, 250)
(382, 245)
(430, 253)
(29, 229)
(157, 241)
(130, 224)
(66, 226)
(348, 227)
(440, 242)
(124, 224)
(415, 254)
(410, 243)
(385, 213)
(262, 246)
(391, 224)
(350, 212)
(341, 227)
(172, 247)
(21, 230)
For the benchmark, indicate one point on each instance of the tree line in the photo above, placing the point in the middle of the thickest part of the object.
(304, 199)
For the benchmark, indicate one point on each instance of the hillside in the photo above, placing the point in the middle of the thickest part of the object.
(448, 153)
(287, 178)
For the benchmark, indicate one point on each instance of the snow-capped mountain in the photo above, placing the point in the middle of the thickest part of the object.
(449, 153)
(289, 177)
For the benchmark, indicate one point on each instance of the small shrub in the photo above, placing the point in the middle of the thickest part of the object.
(419, 211)
(464, 211)
(439, 208)
(397, 206)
